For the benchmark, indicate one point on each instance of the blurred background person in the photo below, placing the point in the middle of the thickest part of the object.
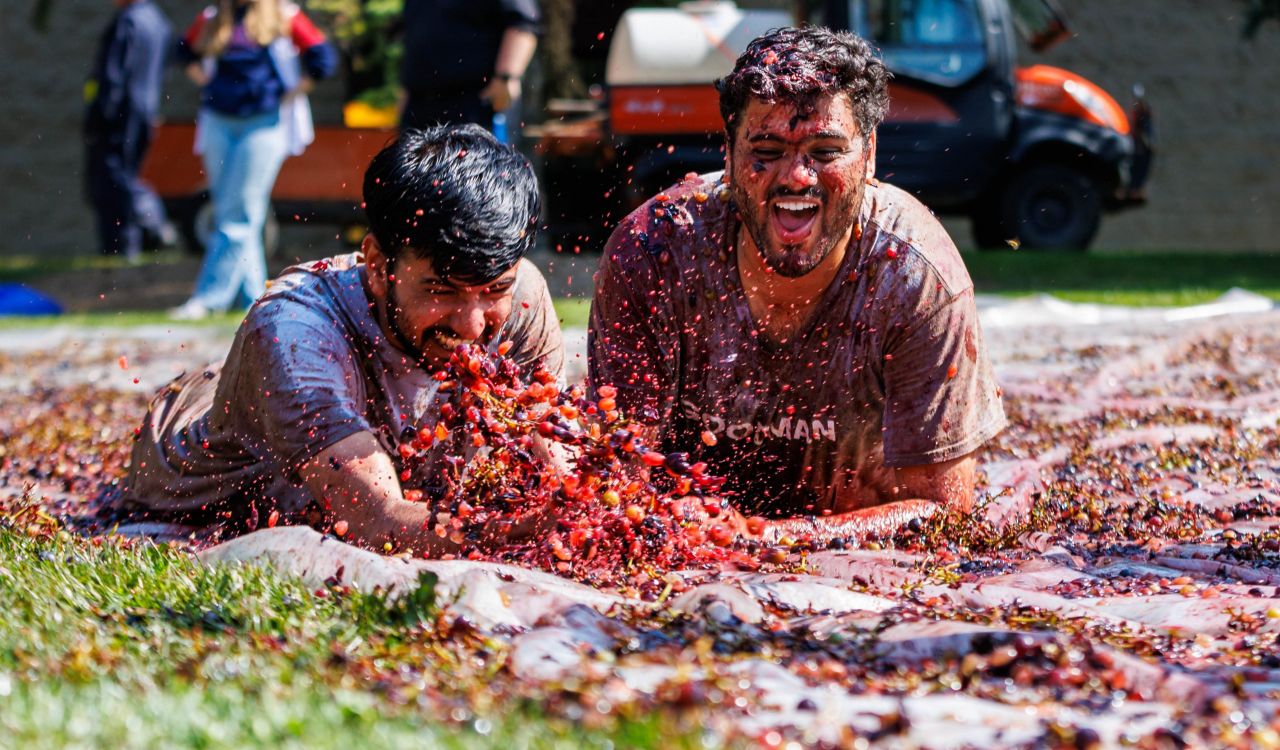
(254, 61)
(122, 95)
(464, 59)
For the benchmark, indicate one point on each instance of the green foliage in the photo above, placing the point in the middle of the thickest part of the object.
(365, 32)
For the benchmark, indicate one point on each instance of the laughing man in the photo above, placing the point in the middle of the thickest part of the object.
(811, 330)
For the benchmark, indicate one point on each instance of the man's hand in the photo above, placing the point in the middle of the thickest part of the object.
(706, 511)
(923, 491)
(305, 86)
(501, 92)
(855, 526)
(195, 72)
(357, 479)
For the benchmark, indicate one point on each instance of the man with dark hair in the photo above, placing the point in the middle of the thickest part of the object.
(332, 370)
(811, 330)
(123, 99)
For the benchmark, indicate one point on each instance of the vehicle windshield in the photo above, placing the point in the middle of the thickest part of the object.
(940, 41)
(1039, 22)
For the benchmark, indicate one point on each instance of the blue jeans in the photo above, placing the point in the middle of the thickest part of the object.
(242, 156)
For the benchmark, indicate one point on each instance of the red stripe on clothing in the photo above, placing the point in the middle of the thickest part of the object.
(193, 31)
(305, 34)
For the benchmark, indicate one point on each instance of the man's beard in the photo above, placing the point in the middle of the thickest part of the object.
(444, 338)
(793, 261)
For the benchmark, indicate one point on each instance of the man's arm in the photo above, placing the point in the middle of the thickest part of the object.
(513, 58)
(358, 480)
(949, 483)
(925, 490)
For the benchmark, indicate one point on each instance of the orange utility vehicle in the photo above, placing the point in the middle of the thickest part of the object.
(1032, 154)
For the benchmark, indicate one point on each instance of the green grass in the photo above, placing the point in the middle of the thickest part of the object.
(1124, 278)
(573, 312)
(108, 647)
(1138, 279)
(27, 267)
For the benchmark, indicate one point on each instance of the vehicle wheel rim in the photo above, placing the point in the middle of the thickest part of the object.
(1049, 211)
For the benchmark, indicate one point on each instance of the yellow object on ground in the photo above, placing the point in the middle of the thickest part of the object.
(362, 115)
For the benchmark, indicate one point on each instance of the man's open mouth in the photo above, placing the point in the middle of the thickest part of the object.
(794, 218)
(439, 347)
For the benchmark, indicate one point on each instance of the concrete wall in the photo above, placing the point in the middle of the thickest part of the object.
(1216, 184)
(42, 205)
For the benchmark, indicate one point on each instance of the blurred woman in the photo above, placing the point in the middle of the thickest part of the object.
(255, 61)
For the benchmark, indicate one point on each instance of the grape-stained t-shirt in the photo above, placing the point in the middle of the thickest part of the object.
(890, 370)
(309, 366)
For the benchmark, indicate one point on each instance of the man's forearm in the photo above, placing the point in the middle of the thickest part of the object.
(515, 52)
(855, 526)
(357, 481)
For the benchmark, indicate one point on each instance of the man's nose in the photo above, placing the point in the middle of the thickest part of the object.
(467, 319)
(800, 173)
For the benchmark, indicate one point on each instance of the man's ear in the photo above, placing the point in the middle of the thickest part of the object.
(871, 156)
(728, 154)
(376, 264)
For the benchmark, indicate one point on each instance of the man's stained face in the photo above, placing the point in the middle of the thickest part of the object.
(798, 180)
(429, 316)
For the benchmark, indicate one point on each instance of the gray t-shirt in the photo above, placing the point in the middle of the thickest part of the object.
(889, 372)
(309, 366)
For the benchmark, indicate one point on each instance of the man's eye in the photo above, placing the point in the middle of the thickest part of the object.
(827, 154)
(766, 154)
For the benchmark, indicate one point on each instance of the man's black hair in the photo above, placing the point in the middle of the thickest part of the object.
(797, 66)
(454, 195)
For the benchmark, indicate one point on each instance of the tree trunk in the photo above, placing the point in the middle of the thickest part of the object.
(564, 80)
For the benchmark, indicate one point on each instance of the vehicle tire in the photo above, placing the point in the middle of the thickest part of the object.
(196, 226)
(1043, 206)
(988, 229)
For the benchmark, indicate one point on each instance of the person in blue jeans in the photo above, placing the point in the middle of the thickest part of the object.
(254, 60)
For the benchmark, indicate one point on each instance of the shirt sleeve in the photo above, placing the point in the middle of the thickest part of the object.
(319, 58)
(297, 384)
(185, 50)
(941, 397)
(524, 15)
(631, 342)
(536, 336)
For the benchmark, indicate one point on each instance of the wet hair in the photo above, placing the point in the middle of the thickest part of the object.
(456, 196)
(797, 66)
